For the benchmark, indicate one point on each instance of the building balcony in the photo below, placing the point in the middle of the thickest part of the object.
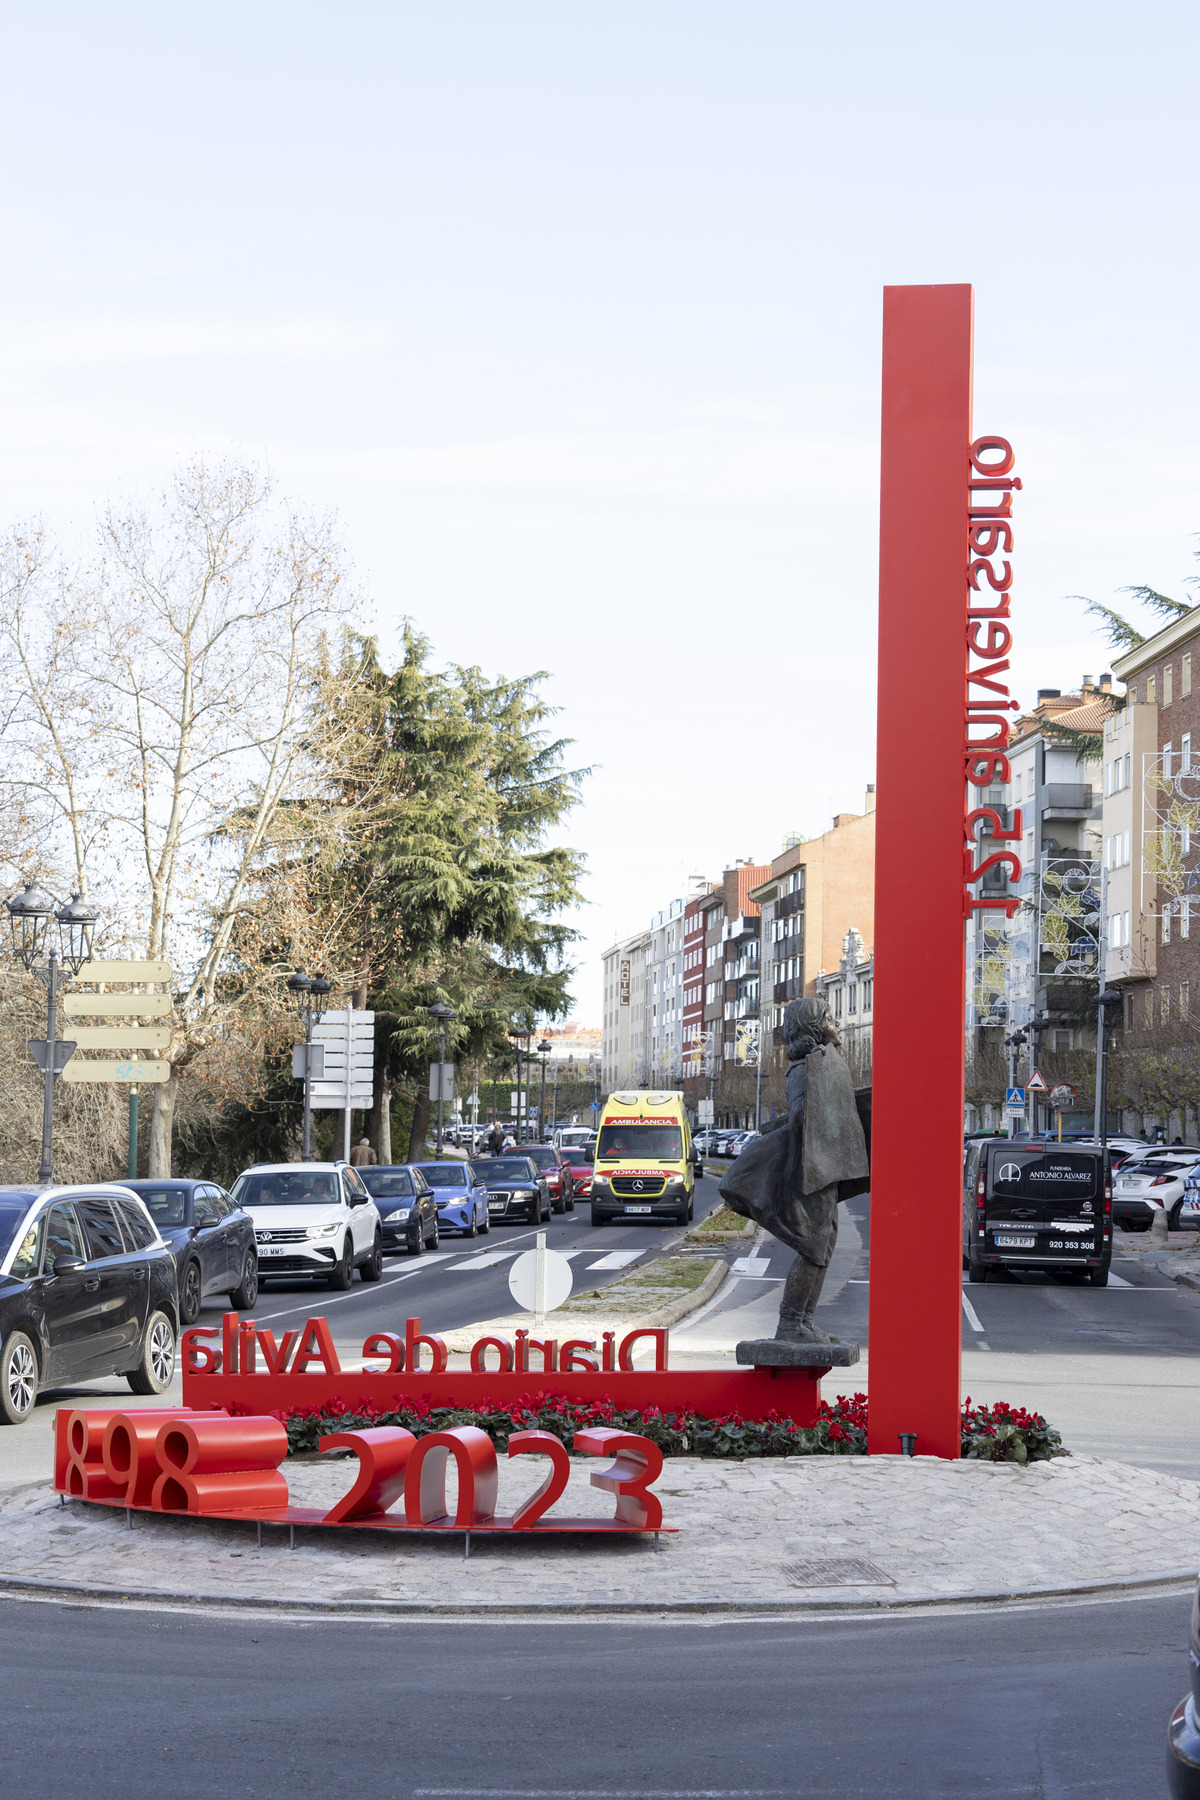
(1067, 800)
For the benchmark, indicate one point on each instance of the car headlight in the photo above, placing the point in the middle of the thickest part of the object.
(599, 1181)
(401, 1212)
(319, 1231)
(674, 1180)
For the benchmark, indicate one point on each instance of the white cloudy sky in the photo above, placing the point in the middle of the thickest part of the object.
(572, 312)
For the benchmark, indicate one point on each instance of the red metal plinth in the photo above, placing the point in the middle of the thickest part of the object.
(751, 1393)
(917, 1052)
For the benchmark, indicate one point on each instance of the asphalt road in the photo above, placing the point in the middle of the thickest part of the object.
(1032, 1704)
(466, 1279)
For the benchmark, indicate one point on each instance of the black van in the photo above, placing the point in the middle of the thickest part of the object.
(1030, 1205)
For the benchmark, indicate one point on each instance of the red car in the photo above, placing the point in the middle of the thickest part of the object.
(554, 1166)
(581, 1157)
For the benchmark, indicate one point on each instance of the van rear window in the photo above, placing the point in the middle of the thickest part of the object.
(1050, 1175)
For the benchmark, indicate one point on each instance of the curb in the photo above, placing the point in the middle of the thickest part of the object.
(34, 1588)
(672, 1314)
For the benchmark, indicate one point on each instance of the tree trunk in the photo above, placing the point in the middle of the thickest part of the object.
(420, 1125)
(161, 1122)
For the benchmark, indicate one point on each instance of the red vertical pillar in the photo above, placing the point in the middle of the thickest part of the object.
(917, 1054)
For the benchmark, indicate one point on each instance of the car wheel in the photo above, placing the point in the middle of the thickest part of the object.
(436, 1239)
(570, 1206)
(471, 1230)
(343, 1270)
(246, 1293)
(372, 1269)
(976, 1272)
(1174, 1215)
(485, 1226)
(691, 1212)
(598, 1218)
(1098, 1277)
(189, 1295)
(18, 1379)
(157, 1366)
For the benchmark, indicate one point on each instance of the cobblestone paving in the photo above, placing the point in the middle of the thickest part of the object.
(753, 1534)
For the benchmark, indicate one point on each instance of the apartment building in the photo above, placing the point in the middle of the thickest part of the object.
(1161, 981)
(849, 991)
(815, 892)
(664, 997)
(1130, 951)
(693, 989)
(623, 1024)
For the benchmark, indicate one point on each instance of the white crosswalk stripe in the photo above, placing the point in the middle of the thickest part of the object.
(616, 1259)
(751, 1265)
(487, 1261)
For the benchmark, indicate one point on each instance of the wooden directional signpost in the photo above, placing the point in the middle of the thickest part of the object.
(130, 1036)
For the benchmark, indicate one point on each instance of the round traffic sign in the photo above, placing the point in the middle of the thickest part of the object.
(1063, 1096)
(522, 1280)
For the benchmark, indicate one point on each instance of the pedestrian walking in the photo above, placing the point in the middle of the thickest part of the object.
(362, 1155)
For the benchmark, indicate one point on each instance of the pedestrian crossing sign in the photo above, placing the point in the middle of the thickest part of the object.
(1014, 1100)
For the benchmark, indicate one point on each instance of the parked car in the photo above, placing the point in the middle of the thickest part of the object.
(459, 1196)
(87, 1288)
(516, 1189)
(557, 1170)
(741, 1140)
(312, 1219)
(581, 1160)
(407, 1206)
(1035, 1206)
(211, 1238)
(1153, 1182)
(1183, 1731)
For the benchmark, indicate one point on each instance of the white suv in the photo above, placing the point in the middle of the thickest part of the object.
(312, 1219)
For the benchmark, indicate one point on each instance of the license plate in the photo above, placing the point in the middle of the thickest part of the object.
(496, 1205)
(639, 1209)
(1014, 1243)
(277, 1249)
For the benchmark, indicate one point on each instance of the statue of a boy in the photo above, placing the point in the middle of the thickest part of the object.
(792, 1177)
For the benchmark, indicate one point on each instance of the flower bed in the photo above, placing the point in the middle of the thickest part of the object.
(997, 1433)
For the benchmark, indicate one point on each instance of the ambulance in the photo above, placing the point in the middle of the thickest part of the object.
(645, 1165)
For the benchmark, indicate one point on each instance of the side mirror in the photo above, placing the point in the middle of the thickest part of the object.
(68, 1265)
(358, 1200)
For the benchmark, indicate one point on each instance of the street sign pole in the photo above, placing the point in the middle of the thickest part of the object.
(133, 1130)
(916, 1223)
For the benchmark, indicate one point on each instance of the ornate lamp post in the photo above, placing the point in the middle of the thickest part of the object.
(443, 1017)
(310, 993)
(29, 916)
(544, 1049)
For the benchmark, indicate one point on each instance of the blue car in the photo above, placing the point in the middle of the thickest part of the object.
(462, 1200)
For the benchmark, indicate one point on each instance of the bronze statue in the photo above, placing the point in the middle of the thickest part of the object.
(792, 1178)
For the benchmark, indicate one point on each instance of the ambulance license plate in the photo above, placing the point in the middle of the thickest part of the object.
(639, 1209)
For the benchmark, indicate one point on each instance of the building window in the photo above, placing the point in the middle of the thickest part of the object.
(1185, 753)
(1168, 683)
(1166, 1006)
(1168, 750)
(1149, 1006)
(1166, 928)
(1126, 927)
(1185, 917)
(1183, 999)
(1064, 1040)
(1149, 690)
(852, 1001)
(1127, 764)
(1185, 675)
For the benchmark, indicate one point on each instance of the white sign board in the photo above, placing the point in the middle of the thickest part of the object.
(704, 1112)
(348, 1038)
(556, 1279)
(313, 1055)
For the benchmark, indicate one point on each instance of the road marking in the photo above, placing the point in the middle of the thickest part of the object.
(1118, 1280)
(972, 1315)
(751, 1265)
(486, 1261)
(616, 1259)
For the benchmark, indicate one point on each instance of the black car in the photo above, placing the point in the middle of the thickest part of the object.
(1036, 1206)
(405, 1203)
(213, 1241)
(87, 1288)
(516, 1187)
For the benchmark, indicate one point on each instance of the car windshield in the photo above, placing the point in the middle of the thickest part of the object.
(286, 1187)
(503, 1168)
(387, 1183)
(578, 1157)
(167, 1205)
(545, 1159)
(13, 1208)
(663, 1142)
(440, 1175)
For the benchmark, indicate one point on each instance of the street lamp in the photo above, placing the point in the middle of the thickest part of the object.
(29, 916)
(1104, 999)
(520, 1040)
(544, 1049)
(443, 1017)
(310, 993)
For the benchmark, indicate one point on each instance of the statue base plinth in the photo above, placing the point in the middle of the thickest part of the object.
(777, 1353)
